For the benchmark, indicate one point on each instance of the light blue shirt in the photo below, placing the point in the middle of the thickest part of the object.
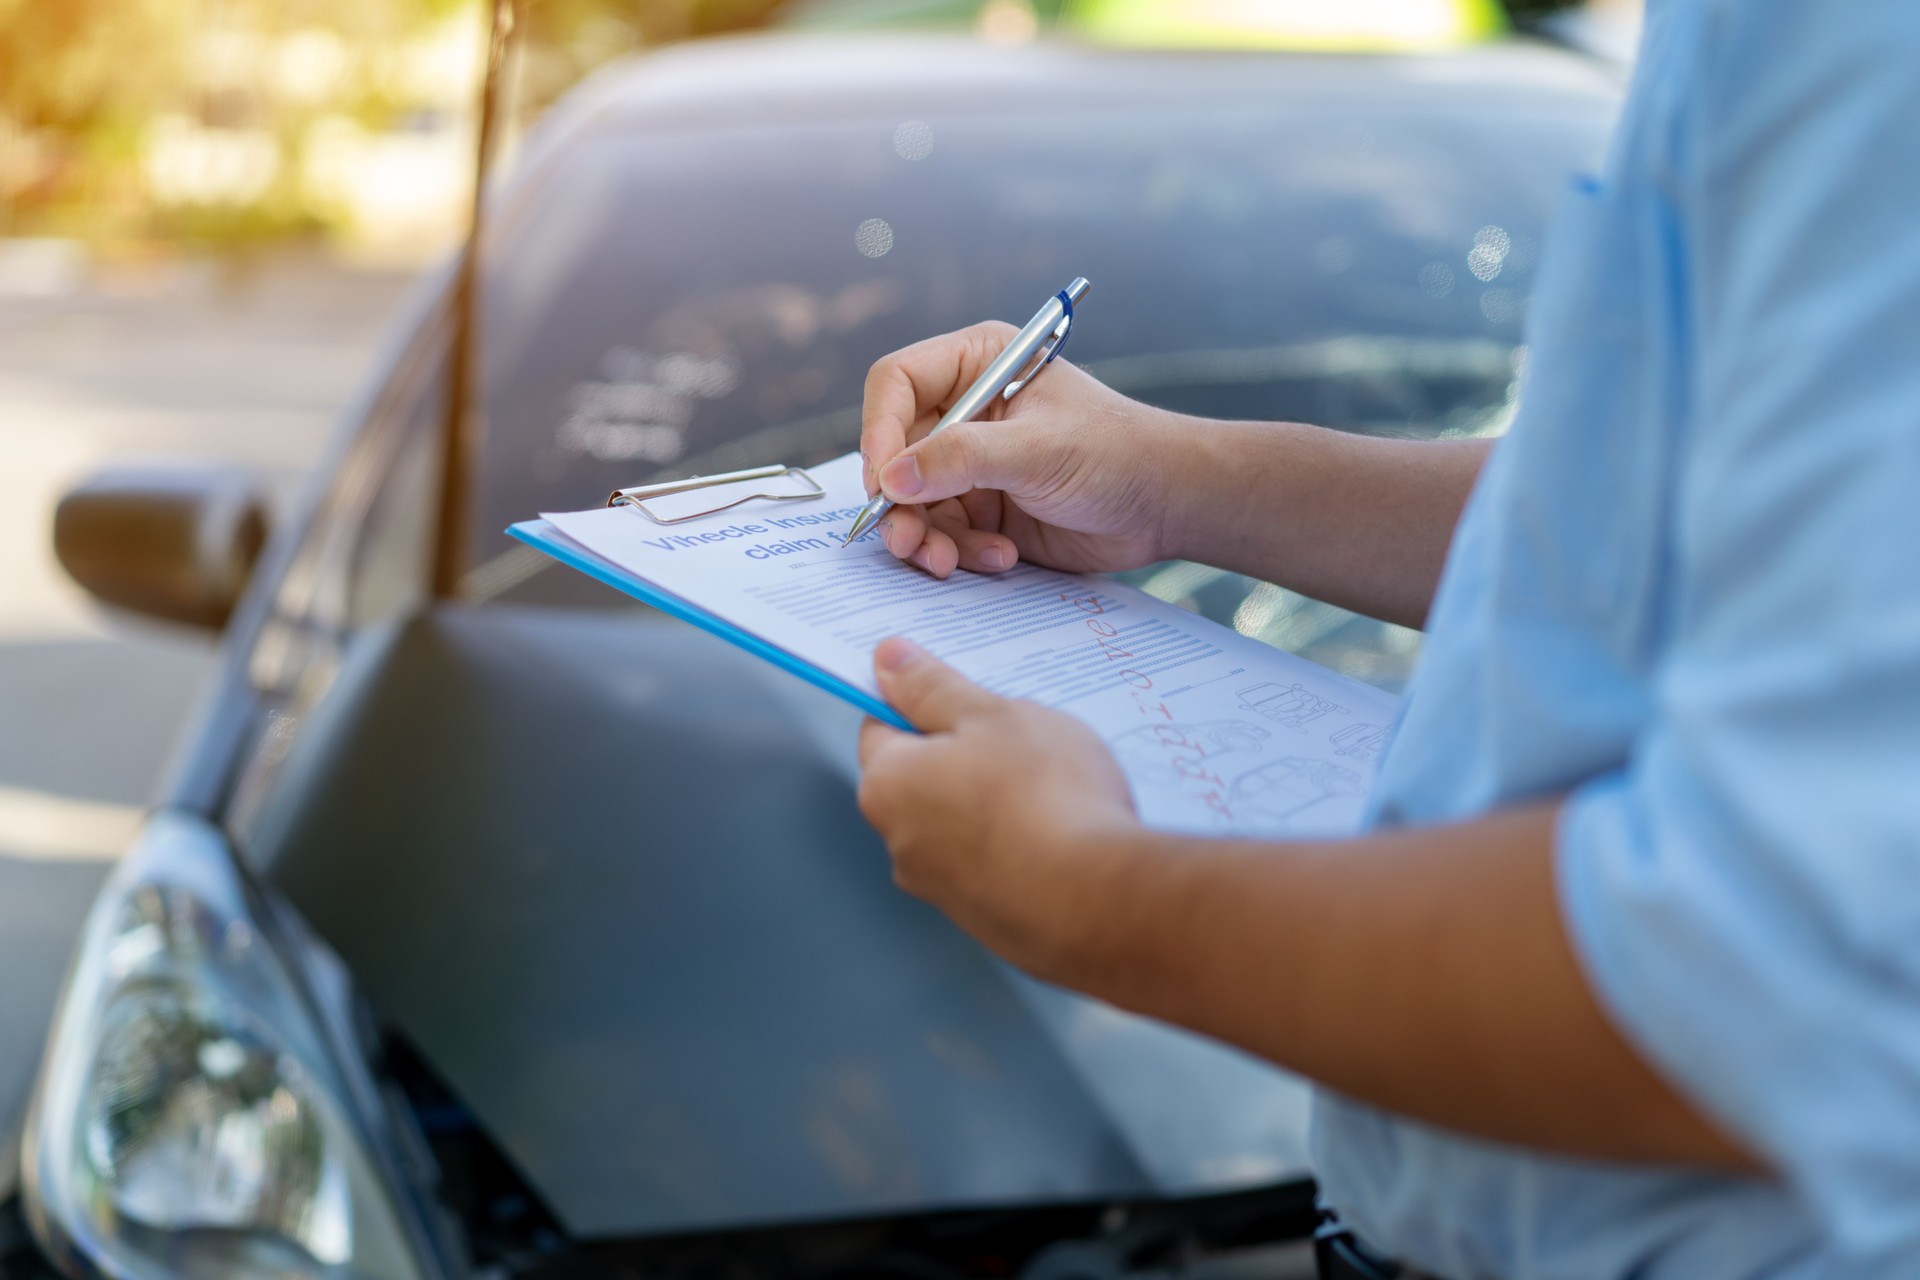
(1686, 593)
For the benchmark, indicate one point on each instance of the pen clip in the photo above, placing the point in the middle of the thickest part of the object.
(1044, 356)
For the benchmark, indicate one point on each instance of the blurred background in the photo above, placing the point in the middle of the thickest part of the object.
(208, 211)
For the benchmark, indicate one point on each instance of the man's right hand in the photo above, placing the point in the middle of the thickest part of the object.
(1069, 474)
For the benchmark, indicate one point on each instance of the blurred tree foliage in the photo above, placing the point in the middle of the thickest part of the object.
(85, 83)
(76, 81)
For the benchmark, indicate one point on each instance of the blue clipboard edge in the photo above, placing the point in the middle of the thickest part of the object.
(543, 537)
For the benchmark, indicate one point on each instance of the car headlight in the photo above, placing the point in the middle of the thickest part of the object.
(193, 1116)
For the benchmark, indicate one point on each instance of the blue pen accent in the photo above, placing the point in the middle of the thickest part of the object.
(1066, 319)
(544, 537)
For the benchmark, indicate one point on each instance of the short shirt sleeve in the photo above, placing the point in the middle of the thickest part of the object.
(1745, 893)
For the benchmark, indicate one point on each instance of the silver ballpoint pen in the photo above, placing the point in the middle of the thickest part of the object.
(1031, 350)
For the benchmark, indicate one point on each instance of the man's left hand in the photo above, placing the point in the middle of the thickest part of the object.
(1009, 817)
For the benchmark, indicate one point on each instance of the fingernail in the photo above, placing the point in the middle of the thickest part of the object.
(901, 479)
(896, 653)
(994, 557)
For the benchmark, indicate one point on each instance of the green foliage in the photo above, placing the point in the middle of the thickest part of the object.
(82, 81)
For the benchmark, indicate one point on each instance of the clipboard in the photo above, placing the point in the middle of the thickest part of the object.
(545, 538)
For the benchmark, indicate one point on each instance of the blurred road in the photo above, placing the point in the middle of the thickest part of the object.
(186, 364)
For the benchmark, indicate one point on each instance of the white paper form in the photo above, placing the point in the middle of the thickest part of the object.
(1217, 733)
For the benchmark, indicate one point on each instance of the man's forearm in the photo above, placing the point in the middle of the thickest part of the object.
(1423, 971)
(1357, 521)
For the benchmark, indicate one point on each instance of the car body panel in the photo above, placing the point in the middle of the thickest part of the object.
(635, 920)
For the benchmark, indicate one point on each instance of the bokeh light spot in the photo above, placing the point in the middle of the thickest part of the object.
(1356, 138)
(1483, 262)
(1500, 305)
(913, 140)
(1489, 253)
(1436, 279)
(1007, 22)
(873, 238)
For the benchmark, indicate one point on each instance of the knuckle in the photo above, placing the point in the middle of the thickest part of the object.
(871, 797)
(1025, 717)
(915, 683)
(883, 370)
(966, 445)
(954, 453)
(989, 338)
(909, 874)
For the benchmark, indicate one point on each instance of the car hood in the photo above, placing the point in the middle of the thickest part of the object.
(607, 876)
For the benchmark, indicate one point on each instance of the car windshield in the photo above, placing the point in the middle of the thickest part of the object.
(673, 301)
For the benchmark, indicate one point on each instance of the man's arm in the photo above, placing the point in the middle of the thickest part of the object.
(1427, 971)
(1357, 521)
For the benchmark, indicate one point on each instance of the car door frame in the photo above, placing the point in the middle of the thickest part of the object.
(230, 713)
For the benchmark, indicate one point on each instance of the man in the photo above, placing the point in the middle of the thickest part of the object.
(1625, 980)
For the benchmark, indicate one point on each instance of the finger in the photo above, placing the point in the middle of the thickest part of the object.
(1008, 454)
(938, 554)
(921, 380)
(986, 509)
(928, 692)
(980, 550)
(983, 552)
(877, 739)
(903, 530)
(889, 771)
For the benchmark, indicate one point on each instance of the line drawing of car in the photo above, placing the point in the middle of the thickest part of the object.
(1277, 794)
(1362, 742)
(1290, 706)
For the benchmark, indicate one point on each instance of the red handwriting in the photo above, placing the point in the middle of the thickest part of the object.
(1185, 757)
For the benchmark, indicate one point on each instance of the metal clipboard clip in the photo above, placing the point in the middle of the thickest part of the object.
(637, 496)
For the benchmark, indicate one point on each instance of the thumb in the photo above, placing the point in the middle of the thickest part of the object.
(924, 689)
(967, 455)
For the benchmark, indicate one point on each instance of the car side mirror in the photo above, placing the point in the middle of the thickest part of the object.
(177, 544)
